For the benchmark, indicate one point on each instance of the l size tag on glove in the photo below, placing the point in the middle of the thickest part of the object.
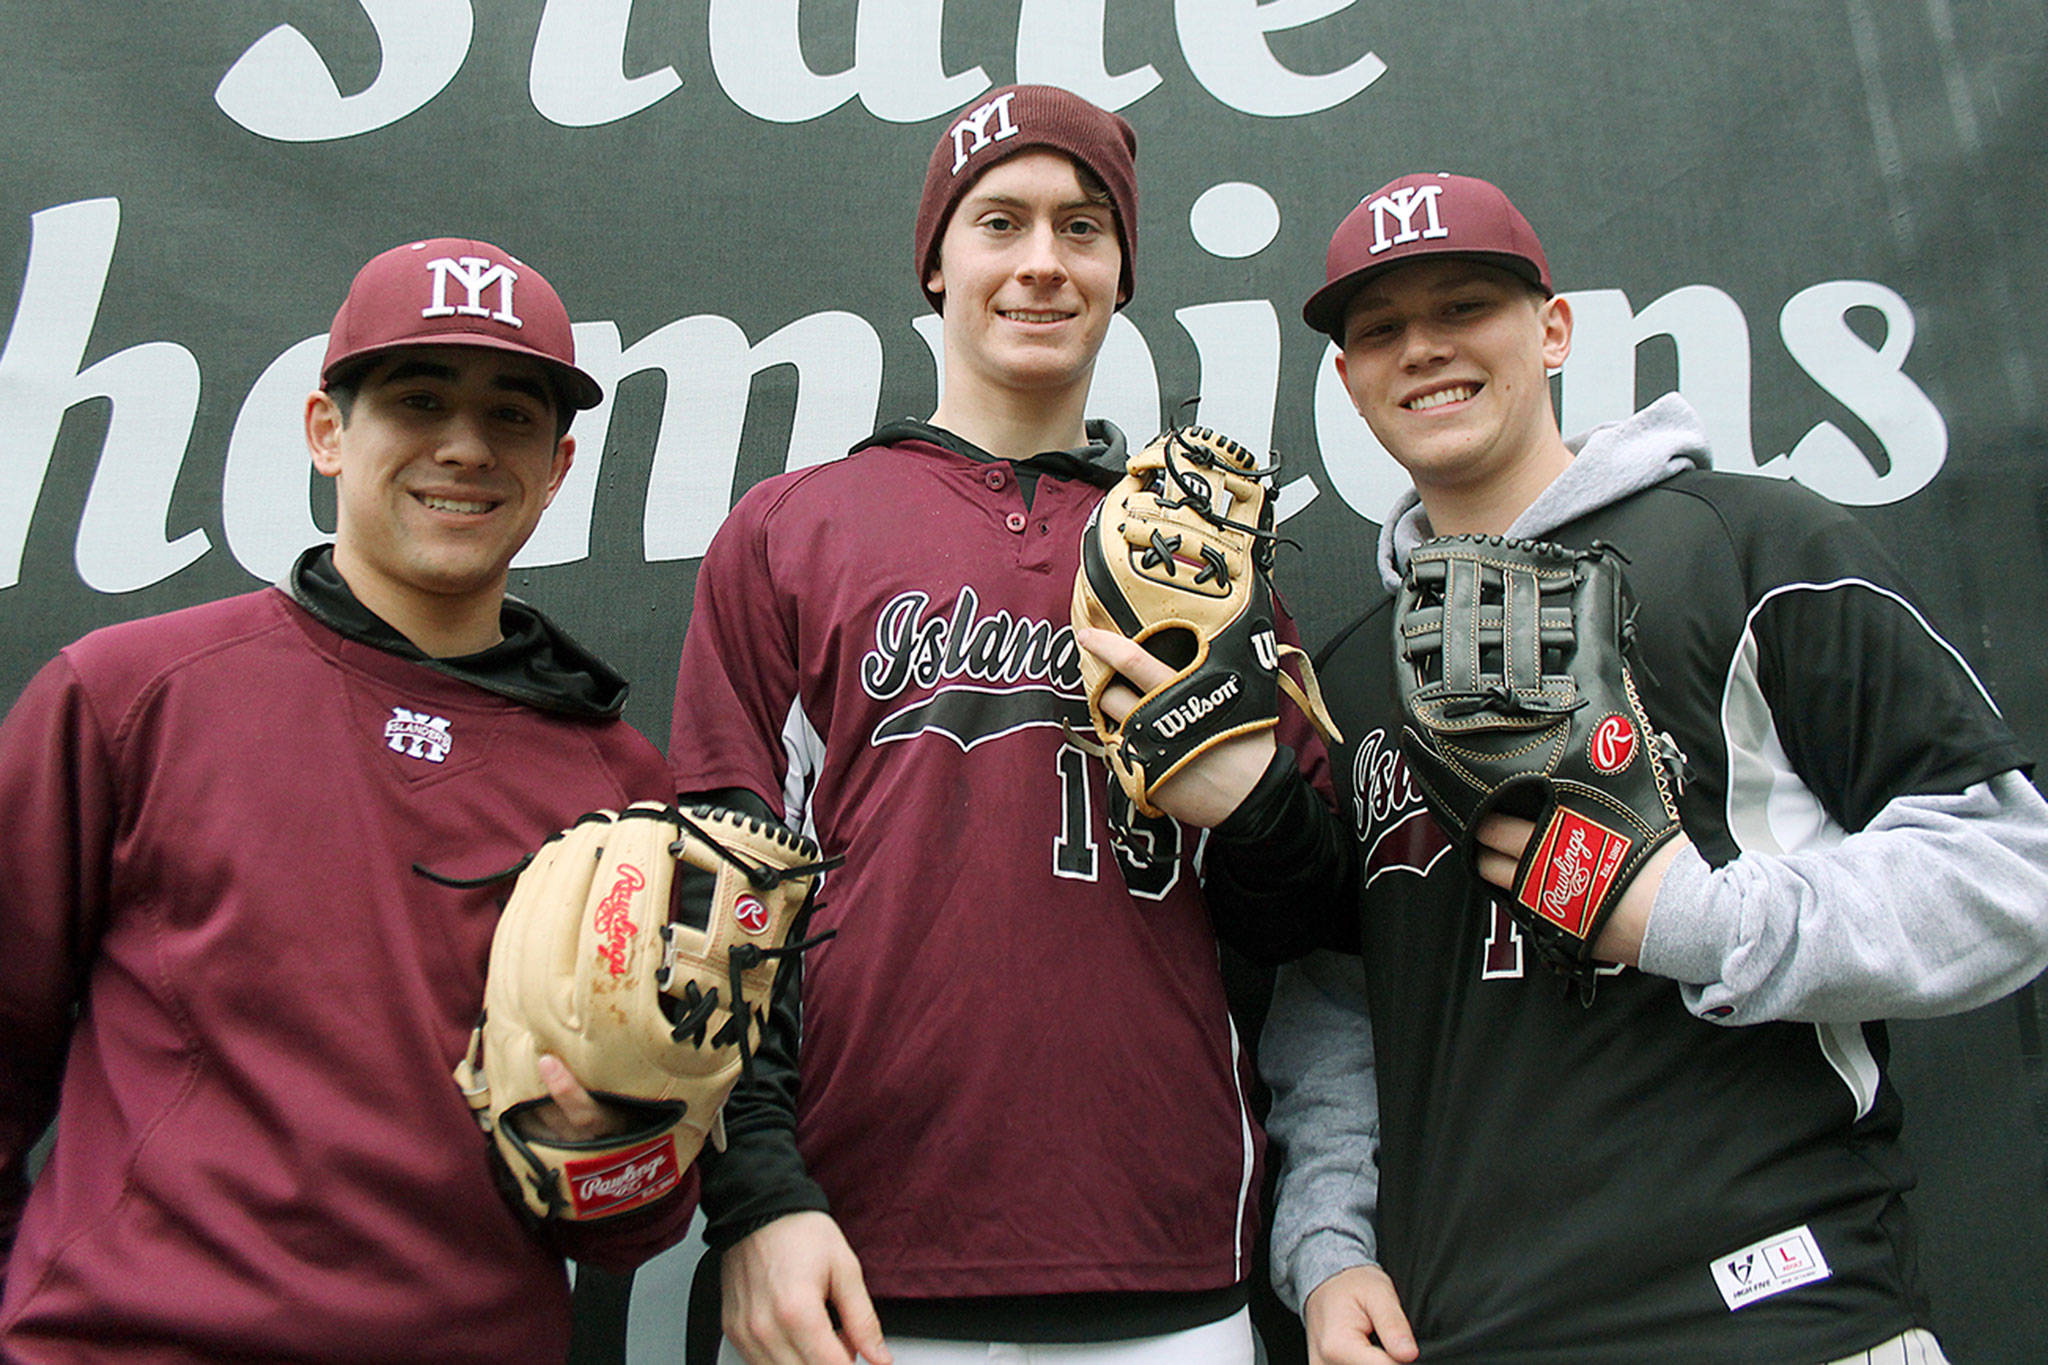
(623, 1178)
(1567, 878)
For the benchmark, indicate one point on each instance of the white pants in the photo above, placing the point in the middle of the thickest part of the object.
(1228, 1342)
(1914, 1346)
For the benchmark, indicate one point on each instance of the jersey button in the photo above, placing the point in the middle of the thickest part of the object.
(995, 478)
(1015, 521)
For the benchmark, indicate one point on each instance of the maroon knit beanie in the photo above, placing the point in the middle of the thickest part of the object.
(1018, 118)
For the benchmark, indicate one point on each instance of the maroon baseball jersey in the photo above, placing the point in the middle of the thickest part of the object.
(1018, 1075)
(212, 823)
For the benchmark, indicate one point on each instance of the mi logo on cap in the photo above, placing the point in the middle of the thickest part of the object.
(475, 274)
(974, 125)
(1401, 207)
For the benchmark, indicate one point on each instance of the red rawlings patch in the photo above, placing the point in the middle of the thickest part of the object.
(617, 1181)
(752, 915)
(1613, 744)
(1575, 863)
(615, 918)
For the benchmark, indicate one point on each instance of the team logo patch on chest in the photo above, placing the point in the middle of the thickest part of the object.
(418, 735)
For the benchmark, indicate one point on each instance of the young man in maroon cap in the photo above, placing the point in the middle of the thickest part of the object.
(1701, 1163)
(223, 974)
(1017, 1114)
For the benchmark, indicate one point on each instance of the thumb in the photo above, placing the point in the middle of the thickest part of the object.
(859, 1325)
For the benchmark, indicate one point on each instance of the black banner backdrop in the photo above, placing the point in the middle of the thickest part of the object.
(1819, 219)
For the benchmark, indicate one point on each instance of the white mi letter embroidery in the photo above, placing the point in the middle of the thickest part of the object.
(1401, 206)
(974, 125)
(475, 274)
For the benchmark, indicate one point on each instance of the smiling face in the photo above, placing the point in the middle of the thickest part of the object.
(443, 465)
(1447, 360)
(1029, 266)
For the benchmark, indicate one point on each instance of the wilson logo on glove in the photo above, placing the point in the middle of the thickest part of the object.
(1173, 721)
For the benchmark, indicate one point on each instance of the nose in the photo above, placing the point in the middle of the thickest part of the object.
(464, 443)
(1039, 259)
(1423, 344)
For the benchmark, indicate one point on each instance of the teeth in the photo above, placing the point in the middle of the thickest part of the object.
(1019, 315)
(1457, 393)
(453, 504)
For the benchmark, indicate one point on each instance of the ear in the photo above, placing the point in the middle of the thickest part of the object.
(565, 455)
(323, 422)
(1556, 318)
(1344, 378)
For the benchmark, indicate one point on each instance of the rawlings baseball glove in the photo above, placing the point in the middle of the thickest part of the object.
(656, 1016)
(1177, 557)
(1517, 698)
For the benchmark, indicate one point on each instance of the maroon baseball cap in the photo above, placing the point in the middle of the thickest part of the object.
(1429, 214)
(451, 291)
(1020, 118)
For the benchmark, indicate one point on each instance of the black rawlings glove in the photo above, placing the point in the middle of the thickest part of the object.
(1516, 698)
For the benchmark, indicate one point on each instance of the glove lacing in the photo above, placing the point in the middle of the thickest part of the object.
(741, 957)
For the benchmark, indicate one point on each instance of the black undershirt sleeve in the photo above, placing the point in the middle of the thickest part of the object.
(760, 1177)
(1281, 872)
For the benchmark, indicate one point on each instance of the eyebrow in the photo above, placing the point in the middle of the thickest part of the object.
(511, 382)
(1372, 297)
(997, 200)
(531, 387)
(416, 369)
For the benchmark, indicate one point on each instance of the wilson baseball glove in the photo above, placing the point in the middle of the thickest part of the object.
(1177, 557)
(640, 949)
(1517, 698)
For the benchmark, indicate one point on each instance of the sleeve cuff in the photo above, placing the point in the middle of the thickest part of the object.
(1317, 1258)
(1678, 941)
(757, 1179)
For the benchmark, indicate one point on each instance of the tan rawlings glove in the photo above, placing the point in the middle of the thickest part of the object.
(655, 1016)
(1177, 558)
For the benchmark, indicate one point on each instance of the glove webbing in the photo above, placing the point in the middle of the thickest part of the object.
(1161, 553)
(1499, 661)
(1198, 498)
(699, 1005)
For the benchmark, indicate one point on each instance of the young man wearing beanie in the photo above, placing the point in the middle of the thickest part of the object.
(224, 976)
(1701, 1162)
(1017, 1114)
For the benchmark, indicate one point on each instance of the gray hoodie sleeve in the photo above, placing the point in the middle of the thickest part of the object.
(1940, 904)
(1316, 1055)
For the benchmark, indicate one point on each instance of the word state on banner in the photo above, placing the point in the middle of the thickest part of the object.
(282, 88)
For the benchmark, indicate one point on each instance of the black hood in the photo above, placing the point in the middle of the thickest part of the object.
(536, 664)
